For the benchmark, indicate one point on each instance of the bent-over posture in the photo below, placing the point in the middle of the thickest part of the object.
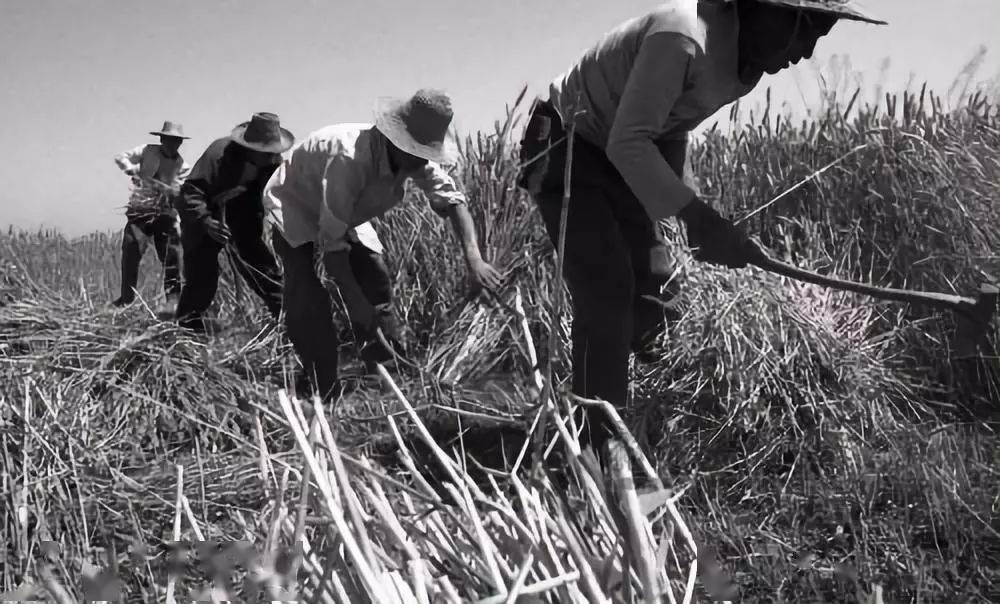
(331, 184)
(636, 95)
(222, 208)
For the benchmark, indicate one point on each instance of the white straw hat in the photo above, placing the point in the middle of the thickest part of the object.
(418, 125)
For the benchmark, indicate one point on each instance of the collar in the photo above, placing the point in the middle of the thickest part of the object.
(380, 156)
(380, 150)
(722, 39)
(160, 150)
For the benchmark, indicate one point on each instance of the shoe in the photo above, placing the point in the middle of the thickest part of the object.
(122, 302)
(166, 311)
(305, 389)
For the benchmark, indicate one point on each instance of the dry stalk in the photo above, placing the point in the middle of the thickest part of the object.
(350, 497)
(341, 530)
(191, 519)
(178, 512)
(636, 538)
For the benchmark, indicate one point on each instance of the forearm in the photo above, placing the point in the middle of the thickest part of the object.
(193, 206)
(465, 230)
(126, 166)
(660, 190)
(656, 82)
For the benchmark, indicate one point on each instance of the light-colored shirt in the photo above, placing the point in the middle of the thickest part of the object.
(146, 162)
(654, 78)
(336, 179)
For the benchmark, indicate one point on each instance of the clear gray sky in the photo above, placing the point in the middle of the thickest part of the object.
(81, 80)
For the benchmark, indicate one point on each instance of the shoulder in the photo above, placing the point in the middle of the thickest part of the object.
(150, 152)
(217, 149)
(435, 176)
(219, 145)
(136, 151)
(211, 158)
(341, 140)
(676, 20)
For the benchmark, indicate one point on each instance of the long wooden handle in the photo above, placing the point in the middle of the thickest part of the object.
(948, 301)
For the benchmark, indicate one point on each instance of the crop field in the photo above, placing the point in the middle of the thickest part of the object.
(796, 444)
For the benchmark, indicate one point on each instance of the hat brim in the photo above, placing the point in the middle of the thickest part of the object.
(388, 122)
(848, 9)
(286, 142)
(170, 135)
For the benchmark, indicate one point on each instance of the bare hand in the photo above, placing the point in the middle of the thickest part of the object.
(484, 275)
(171, 190)
(229, 194)
(217, 230)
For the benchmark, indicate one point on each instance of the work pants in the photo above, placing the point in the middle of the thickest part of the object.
(249, 256)
(309, 315)
(615, 256)
(161, 230)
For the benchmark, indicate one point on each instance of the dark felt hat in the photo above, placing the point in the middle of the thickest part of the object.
(263, 133)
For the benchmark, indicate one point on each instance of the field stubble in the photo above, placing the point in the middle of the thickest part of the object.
(819, 446)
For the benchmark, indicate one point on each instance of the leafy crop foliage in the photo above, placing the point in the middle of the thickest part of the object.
(815, 445)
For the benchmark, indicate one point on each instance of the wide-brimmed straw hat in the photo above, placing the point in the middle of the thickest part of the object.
(170, 129)
(263, 133)
(843, 9)
(418, 125)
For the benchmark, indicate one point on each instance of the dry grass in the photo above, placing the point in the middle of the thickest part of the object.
(817, 446)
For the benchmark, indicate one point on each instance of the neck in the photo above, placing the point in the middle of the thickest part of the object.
(389, 155)
(747, 74)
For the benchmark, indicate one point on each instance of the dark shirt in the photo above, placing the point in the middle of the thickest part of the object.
(223, 168)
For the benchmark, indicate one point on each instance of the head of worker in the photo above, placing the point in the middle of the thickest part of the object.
(171, 136)
(776, 34)
(262, 139)
(416, 129)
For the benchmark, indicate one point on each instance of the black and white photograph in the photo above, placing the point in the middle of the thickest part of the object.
(534, 302)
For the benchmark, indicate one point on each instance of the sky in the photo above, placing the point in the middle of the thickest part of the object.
(85, 79)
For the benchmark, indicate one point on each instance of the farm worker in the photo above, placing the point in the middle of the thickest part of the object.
(641, 89)
(320, 201)
(157, 171)
(221, 208)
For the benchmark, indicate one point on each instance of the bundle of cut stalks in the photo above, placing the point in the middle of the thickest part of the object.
(337, 529)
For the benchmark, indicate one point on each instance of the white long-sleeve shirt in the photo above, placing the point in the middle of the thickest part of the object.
(338, 178)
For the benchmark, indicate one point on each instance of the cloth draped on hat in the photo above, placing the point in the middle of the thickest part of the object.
(419, 125)
(844, 9)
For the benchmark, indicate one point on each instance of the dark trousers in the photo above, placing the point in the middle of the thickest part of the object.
(249, 256)
(138, 233)
(309, 318)
(614, 256)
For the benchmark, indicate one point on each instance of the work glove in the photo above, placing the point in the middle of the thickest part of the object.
(374, 350)
(217, 230)
(715, 239)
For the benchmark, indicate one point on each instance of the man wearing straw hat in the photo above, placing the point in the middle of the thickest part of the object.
(321, 199)
(636, 95)
(156, 171)
(221, 208)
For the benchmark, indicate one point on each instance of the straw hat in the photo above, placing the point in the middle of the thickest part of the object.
(170, 129)
(844, 9)
(418, 125)
(263, 133)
